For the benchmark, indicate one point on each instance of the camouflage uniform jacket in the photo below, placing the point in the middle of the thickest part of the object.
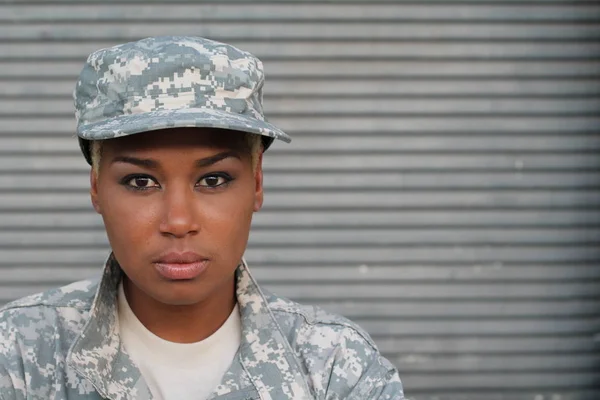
(65, 344)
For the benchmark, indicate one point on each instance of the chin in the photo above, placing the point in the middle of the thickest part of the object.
(182, 302)
(181, 294)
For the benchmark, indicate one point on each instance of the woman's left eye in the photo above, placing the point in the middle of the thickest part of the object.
(213, 181)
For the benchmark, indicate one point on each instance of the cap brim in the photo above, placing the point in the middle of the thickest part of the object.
(130, 124)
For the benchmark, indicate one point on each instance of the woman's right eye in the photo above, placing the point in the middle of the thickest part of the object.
(142, 182)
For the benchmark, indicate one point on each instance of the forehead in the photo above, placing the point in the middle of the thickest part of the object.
(210, 138)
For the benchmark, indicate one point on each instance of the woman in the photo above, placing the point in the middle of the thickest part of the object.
(174, 130)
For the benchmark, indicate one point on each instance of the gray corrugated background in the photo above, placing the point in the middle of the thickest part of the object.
(442, 189)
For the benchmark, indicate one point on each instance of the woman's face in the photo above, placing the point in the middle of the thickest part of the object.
(177, 206)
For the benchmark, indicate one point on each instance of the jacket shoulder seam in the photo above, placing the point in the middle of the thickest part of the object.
(38, 305)
(41, 304)
(315, 321)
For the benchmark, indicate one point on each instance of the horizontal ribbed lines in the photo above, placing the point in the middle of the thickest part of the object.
(308, 50)
(325, 12)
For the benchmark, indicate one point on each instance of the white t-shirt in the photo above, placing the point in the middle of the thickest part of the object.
(179, 371)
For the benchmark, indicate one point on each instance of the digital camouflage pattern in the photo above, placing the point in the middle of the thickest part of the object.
(65, 344)
(167, 82)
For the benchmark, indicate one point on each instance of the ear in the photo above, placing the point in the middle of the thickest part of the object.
(94, 191)
(258, 180)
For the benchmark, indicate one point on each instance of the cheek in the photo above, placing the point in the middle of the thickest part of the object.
(225, 220)
(231, 213)
(129, 220)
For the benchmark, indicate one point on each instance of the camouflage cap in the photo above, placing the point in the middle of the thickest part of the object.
(169, 82)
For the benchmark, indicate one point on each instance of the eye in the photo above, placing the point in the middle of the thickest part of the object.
(214, 180)
(142, 182)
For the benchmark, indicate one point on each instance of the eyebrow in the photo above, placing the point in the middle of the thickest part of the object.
(205, 162)
(153, 164)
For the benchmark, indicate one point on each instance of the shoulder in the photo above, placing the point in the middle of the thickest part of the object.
(36, 332)
(317, 320)
(337, 355)
(39, 314)
(75, 295)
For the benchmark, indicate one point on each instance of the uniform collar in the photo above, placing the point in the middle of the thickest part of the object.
(265, 355)
(265, 352)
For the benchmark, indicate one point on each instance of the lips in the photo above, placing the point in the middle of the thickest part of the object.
(181, 266)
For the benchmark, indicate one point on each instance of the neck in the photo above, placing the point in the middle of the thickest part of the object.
(182, 323)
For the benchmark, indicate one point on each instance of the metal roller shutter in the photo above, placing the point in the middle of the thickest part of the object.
(442, 189)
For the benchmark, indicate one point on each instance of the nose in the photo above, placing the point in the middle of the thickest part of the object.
(179, 216)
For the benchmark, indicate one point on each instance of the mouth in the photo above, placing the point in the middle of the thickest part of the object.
(181, 266)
